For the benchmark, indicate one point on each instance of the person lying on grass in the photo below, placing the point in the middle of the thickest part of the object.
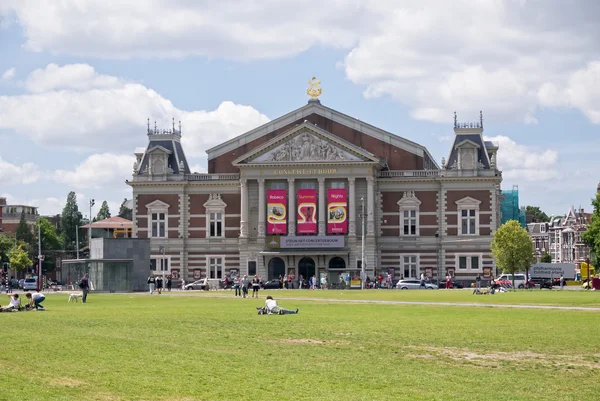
(273, 308)
(14, 304)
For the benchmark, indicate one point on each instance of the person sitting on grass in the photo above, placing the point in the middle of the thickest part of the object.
(273, 308)
(36, 299)
(14, 304)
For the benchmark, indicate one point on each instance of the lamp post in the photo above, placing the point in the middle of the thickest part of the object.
(40, 256)
(362, 261)
(92, 203)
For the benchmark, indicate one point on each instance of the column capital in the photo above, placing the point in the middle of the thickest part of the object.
(351, 180)
(261, 181)
(370, 178)
(291, 180)
(321, 180)
(243, 181)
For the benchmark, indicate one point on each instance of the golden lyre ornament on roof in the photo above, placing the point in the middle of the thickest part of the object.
(314, 90)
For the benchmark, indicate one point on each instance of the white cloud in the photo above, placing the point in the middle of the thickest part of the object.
(27, 173)
(523, 163)
(97, 171)
(9, 74)
(495, 55)
(96, 112)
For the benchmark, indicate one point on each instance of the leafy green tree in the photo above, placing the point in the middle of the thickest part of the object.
(591, 237)
(512, 248)
(70, 220)
(546, 258)
(51, 242)
(19, 259)
(6, 244)
(125, 212)
(537, 214)
(104, 212)
(23, 231)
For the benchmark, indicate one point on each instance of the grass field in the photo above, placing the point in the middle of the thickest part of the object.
(198, 347)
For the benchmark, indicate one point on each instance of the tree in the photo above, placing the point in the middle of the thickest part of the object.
(591, 237)
(546, 258)
(512, 248)
(19, 259)
(51, 242)
(125, 212)
(23, 231)
(537, 214)
(70, 220)
(104, 212)
(6, 245)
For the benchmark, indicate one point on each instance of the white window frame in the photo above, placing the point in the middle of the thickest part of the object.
(210, 266)
(209, 221)
(467, 204)
(542, 228)
(214, 205)
(469, 268)
(403, 263)
(408, 203)
(157, 207)
(159, 263)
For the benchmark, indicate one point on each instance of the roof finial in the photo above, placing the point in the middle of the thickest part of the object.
(455, 121)
(173, 124)
(481, 119)
(314, 90)
(179, 127)
(155, 129)
(148, 125)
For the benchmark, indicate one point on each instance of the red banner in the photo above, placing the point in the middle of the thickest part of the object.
(307, 211)
(276, 211)
(337, 211)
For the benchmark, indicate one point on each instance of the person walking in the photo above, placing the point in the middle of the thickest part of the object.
(169, 283)
(422, 284)
(183, 284)
(85, 288)
(159, 285)
(562, 282)
(151, 283)
(448, 280)
(478, 281)
(255, 286)
(245, 284)
(236, 286)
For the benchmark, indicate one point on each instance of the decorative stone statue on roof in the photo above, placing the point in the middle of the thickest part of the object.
(135, 167)
(480, 165)
(454, 165)
(443, 162)
(493, 161)
(181, 167)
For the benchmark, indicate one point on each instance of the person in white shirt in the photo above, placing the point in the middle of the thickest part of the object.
(36, 300)
(14, 303)
(273, 308)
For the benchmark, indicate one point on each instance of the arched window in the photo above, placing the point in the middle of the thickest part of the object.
(337, 263)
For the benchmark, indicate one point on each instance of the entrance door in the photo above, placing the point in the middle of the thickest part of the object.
(306, 267)
(276, 268)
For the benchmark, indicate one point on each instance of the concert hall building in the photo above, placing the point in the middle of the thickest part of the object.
(288, 197)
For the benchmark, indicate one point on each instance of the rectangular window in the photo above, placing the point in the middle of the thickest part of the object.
(469, 262)
(410, 266)
(474, 262)
(158, 264)
(462, 263)
(278, 185)
(308, 185)
(215, 267)
(410, 222)
(158, 222)
(542, 228)
(468, 225)
(215, 224)
(251, 268)
(338, 184)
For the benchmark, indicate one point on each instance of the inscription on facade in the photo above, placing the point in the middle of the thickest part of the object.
(305, 171)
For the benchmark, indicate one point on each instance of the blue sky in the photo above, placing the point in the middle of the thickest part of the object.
(78, 81)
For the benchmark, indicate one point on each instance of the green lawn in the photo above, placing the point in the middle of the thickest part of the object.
(197, 347)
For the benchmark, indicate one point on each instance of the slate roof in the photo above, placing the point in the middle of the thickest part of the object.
(176, 156)
(481, 152)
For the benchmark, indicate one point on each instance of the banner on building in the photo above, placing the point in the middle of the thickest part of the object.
(276, 211)
(337, 207)
(307, 211)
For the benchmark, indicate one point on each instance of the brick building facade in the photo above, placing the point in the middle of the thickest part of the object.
(288, 197)
(10, 216)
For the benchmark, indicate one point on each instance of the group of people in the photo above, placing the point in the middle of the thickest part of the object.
(242, 285)
(157, 283)
(34, 301)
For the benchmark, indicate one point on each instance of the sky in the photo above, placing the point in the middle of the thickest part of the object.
(80, 78)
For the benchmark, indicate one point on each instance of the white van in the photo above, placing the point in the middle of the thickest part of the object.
(520, 279)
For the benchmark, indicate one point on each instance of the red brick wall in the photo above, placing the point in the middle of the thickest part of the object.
(197, 202)
(481, 195)
(398, 159)
(171, 199)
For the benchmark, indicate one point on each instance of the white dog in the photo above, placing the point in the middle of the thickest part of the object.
(75, 296)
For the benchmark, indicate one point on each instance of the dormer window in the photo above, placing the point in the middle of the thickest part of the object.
(542, 228)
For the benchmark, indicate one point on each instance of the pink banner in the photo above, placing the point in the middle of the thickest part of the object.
(276, 211)
(337, 207)
(307, 211)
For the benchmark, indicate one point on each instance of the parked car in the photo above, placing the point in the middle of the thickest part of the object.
(201, 284)
(271, 284)
(412, 284)
(30, 284)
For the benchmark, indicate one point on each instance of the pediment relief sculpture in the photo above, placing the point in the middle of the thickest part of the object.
(307, 147)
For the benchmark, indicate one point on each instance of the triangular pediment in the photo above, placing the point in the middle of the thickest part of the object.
(306, 143)
(467, 144)
(468, 201)
(158, 204)
(159, 149)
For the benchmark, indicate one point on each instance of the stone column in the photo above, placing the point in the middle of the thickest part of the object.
(261, 207)
(370, 206)
(322, 207)
(292, 207)
(244, 208)
(351, 208)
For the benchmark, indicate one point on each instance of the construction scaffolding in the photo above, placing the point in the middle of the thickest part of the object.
(509, 207)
